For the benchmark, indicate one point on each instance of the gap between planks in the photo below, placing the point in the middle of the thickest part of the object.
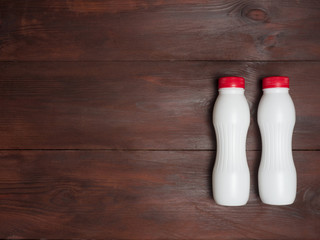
(161, 60)
(138, 150)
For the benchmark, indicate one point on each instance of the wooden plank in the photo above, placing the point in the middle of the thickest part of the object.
(135, 105)
(139, 105)
(143, 195)
(159, 30)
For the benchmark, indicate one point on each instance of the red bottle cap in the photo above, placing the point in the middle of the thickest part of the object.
(231, 82)
(275, 82)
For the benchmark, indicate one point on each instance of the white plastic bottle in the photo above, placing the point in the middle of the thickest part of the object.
(276, 118)
(231, 118)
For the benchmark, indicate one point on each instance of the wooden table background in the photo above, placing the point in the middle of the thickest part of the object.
(105, 121)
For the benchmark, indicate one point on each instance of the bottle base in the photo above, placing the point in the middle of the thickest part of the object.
(231, 204)
(278, 203)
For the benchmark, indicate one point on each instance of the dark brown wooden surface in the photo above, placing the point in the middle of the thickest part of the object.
(159, 30)
(105, 116)
(157, 105)
(143, 195)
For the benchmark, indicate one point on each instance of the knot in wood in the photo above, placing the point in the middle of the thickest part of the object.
(64, 197)
(270, 40)
(257, 15)
(315, 202)
(312, 199)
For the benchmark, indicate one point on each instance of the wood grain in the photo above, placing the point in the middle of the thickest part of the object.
(139, 105)
(143, 195)
(105, 116)
(159, 30)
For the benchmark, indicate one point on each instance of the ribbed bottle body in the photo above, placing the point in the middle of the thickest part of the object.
(277, 174)
(231, 178)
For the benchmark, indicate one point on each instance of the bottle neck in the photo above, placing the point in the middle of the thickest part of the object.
(231, 91)
(276, 90)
